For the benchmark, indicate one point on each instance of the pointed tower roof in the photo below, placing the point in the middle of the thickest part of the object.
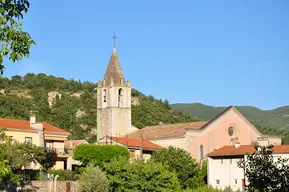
(113, 71)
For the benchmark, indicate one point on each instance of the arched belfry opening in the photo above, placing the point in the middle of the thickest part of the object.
(104, 95)
(120, 97)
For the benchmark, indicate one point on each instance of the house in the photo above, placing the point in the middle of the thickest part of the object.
(39, 134)
(197, 138)
(222, 169)
(137, 148)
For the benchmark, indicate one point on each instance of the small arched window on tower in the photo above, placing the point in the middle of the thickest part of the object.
(121, 81)
(120, 92)
(201, 152)
(104, 95)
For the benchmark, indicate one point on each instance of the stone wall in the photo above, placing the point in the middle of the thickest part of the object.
(48, 186)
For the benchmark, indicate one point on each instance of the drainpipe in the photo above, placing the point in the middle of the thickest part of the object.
(55, 178)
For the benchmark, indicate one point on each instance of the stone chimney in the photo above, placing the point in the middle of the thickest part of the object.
(39, 128)
(32, 119)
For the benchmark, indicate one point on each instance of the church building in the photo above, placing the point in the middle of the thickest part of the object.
(198, 138)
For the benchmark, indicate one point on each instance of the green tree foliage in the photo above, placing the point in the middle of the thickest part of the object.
(140, 176)
(19, 154)
(15, 155)
(265, 173)
(98, 154)
(49, 160)
(274, 132)
(93, 179)
(6, 173)
(204, 188)
(15, 43)
(153, 112)
(188, 171)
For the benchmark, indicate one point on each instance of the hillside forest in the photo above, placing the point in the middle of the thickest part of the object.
(71, 104)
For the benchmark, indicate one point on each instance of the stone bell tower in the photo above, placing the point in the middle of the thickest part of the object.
(113, 101)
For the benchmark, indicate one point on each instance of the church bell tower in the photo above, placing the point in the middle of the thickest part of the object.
(113, 101)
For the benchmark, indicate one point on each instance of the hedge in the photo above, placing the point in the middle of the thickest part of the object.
(98, 154)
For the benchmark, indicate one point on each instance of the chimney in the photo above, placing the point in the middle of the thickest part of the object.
(237, 145)
(32, 119)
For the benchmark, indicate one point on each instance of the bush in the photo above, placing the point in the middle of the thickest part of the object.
(204, 188)
(65, 175)
(140, 176)
(178, 160)
(30, 174)
(92, 180)
(97, 154)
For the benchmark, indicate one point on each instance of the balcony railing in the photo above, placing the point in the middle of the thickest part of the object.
(59, 151)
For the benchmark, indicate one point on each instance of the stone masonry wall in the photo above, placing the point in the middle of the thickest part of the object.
(48, 186)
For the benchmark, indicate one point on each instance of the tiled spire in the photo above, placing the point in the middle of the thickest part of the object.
(113, 74)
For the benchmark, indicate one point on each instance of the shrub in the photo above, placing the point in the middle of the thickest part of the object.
(65, 175)
(188, 171)
(140, 176)
(92, 180)
(97, 154)
(30, 174)
(204, 188)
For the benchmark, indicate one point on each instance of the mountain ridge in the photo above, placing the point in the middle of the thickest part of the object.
(275, 118)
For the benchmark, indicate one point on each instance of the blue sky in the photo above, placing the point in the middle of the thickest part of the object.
(218, 53)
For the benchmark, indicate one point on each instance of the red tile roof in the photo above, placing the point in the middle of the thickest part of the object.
(243, 150)
(166, 130)
(135, 142)
(25, 125)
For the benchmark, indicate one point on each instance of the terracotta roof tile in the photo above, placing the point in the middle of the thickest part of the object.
(25, 125)
(50, 128)
(166, 130)
(243, 150)
(135, 143)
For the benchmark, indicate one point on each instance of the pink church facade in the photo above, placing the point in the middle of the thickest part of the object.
(200, 138)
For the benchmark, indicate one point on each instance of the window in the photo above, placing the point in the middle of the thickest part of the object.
(28, 140)
(230, 161)
(235, 181)
(104, 95)
(221, 161)
(218, 181)
(201, 152)
(231, 131)
(120, 91)
(49, 145)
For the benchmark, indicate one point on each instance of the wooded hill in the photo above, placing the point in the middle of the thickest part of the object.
(71, 104)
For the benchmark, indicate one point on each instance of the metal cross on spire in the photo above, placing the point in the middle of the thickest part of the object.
(114, 38)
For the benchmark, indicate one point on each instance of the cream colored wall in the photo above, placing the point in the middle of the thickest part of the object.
(20, 136)
(275, 141)
(226, 171)
(59, 165)
(145, 156)
(180, 142)
(59, 145)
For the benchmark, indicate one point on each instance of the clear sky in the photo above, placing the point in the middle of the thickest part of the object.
(218, 53)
